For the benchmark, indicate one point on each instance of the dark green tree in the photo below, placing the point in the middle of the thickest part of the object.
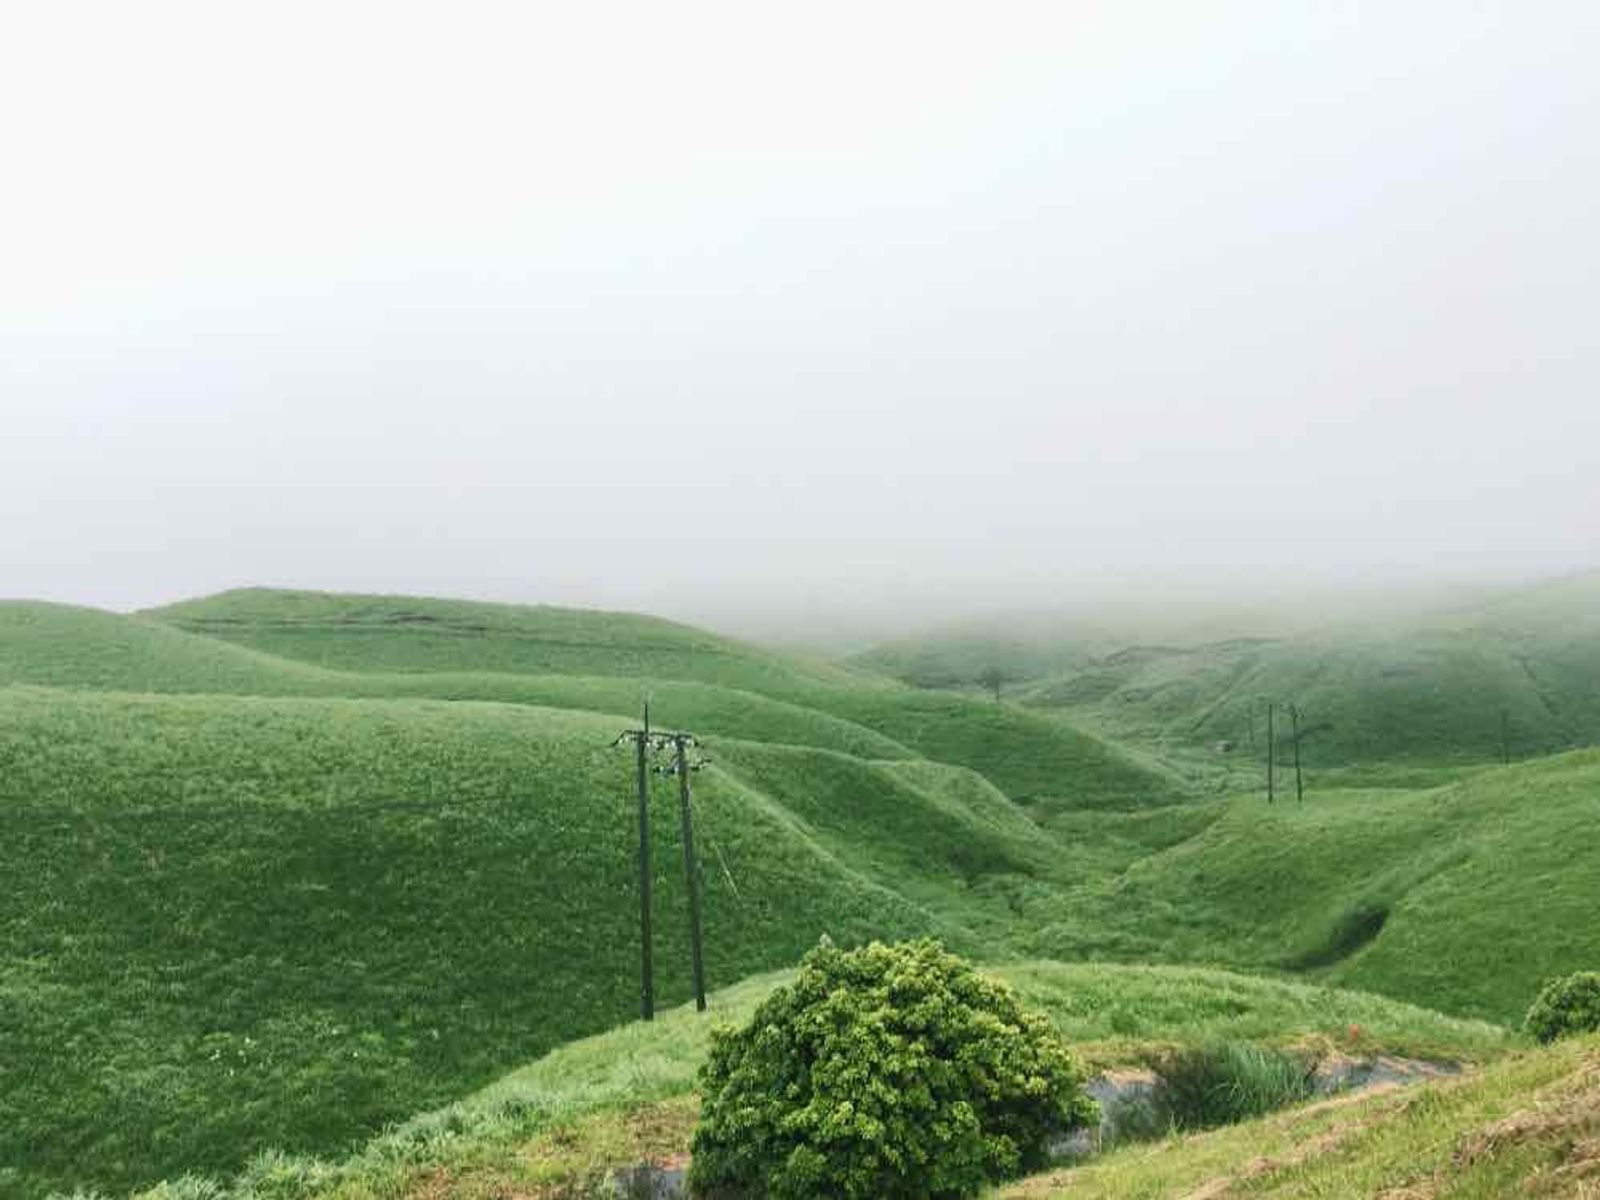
(884, 1073)
(1566, 1005)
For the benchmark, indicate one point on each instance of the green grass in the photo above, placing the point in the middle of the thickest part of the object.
(406, 633)
(1524, 1126)
(1448, 686)
(233, 922)
(59, 646)
(285, 867)
(1485, 886)
(1024, 754)
(483, 1142)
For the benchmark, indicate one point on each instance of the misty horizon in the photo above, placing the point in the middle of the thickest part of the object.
(772, 322)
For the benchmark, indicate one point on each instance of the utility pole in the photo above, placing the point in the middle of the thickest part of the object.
(1271, 747)
(1299, 788)
(647, 986)
(1505, 737)
(691, 872)
(645, 742)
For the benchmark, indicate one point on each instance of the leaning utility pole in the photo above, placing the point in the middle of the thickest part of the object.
(1271, 749)
(1299, 788)
(682, 742)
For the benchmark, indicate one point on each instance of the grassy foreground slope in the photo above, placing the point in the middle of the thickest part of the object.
(1463, 898)
(237, 922)
(1027, 755)
(1528, 1125)
(616, 1092)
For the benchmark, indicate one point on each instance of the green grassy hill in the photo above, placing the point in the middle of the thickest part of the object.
(1524, 1126)
(1026, 755)
(1364, 698)
(1520, 671)
(55, 645)
(1463, 898)
(289, 866)
(242, 921)
(408, 633)
(607, 1100)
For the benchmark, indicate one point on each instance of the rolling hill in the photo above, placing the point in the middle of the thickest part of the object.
(240, 921)
(1462, 898)
(608, 1100)
(1027, 755)
(1518, 672)
(287, 867)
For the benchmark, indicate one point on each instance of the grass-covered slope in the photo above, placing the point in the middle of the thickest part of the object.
(1026, 755)
(406, 633)
(1518, 672)
(1430, 694)
(238, 922)
(1463, 898)
(1528, 1125)
(53, 645)
(522, 1131)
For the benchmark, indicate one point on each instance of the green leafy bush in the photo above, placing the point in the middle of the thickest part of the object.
(1566, 1005)
(1220, 1083)
(884, 1072)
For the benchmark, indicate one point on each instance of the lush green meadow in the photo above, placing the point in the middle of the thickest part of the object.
(1462, 898)
(242, 921)
(289, 867)
(1518, 671)
(498, 1140)
(1025, 754)
(1524, 1126)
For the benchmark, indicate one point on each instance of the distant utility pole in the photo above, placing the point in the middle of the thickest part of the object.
(1299, 787)
(645, 742)
(1271, 750)
(1505, 737)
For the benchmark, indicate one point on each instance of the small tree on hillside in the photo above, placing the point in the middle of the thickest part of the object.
(992, 678)
(885, 1073)
(1566, 1005)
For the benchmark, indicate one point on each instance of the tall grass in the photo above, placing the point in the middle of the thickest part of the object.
(1220, 1083)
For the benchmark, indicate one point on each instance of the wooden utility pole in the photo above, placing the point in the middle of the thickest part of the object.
(644, 742)
(1271, 750)
(1299, 787)
(691, 870)
(647, 987)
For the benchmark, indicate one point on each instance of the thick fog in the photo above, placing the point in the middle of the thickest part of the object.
(748, 312)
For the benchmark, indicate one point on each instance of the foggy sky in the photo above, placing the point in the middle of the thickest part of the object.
(738, 309)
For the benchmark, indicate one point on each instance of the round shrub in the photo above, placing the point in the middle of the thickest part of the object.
(1569, 1004)
(885, 1072)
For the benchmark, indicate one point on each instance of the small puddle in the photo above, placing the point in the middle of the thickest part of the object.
(653, 1181)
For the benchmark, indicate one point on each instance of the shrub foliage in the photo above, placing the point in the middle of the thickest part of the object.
(884, 1072)
(1566, 1005)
